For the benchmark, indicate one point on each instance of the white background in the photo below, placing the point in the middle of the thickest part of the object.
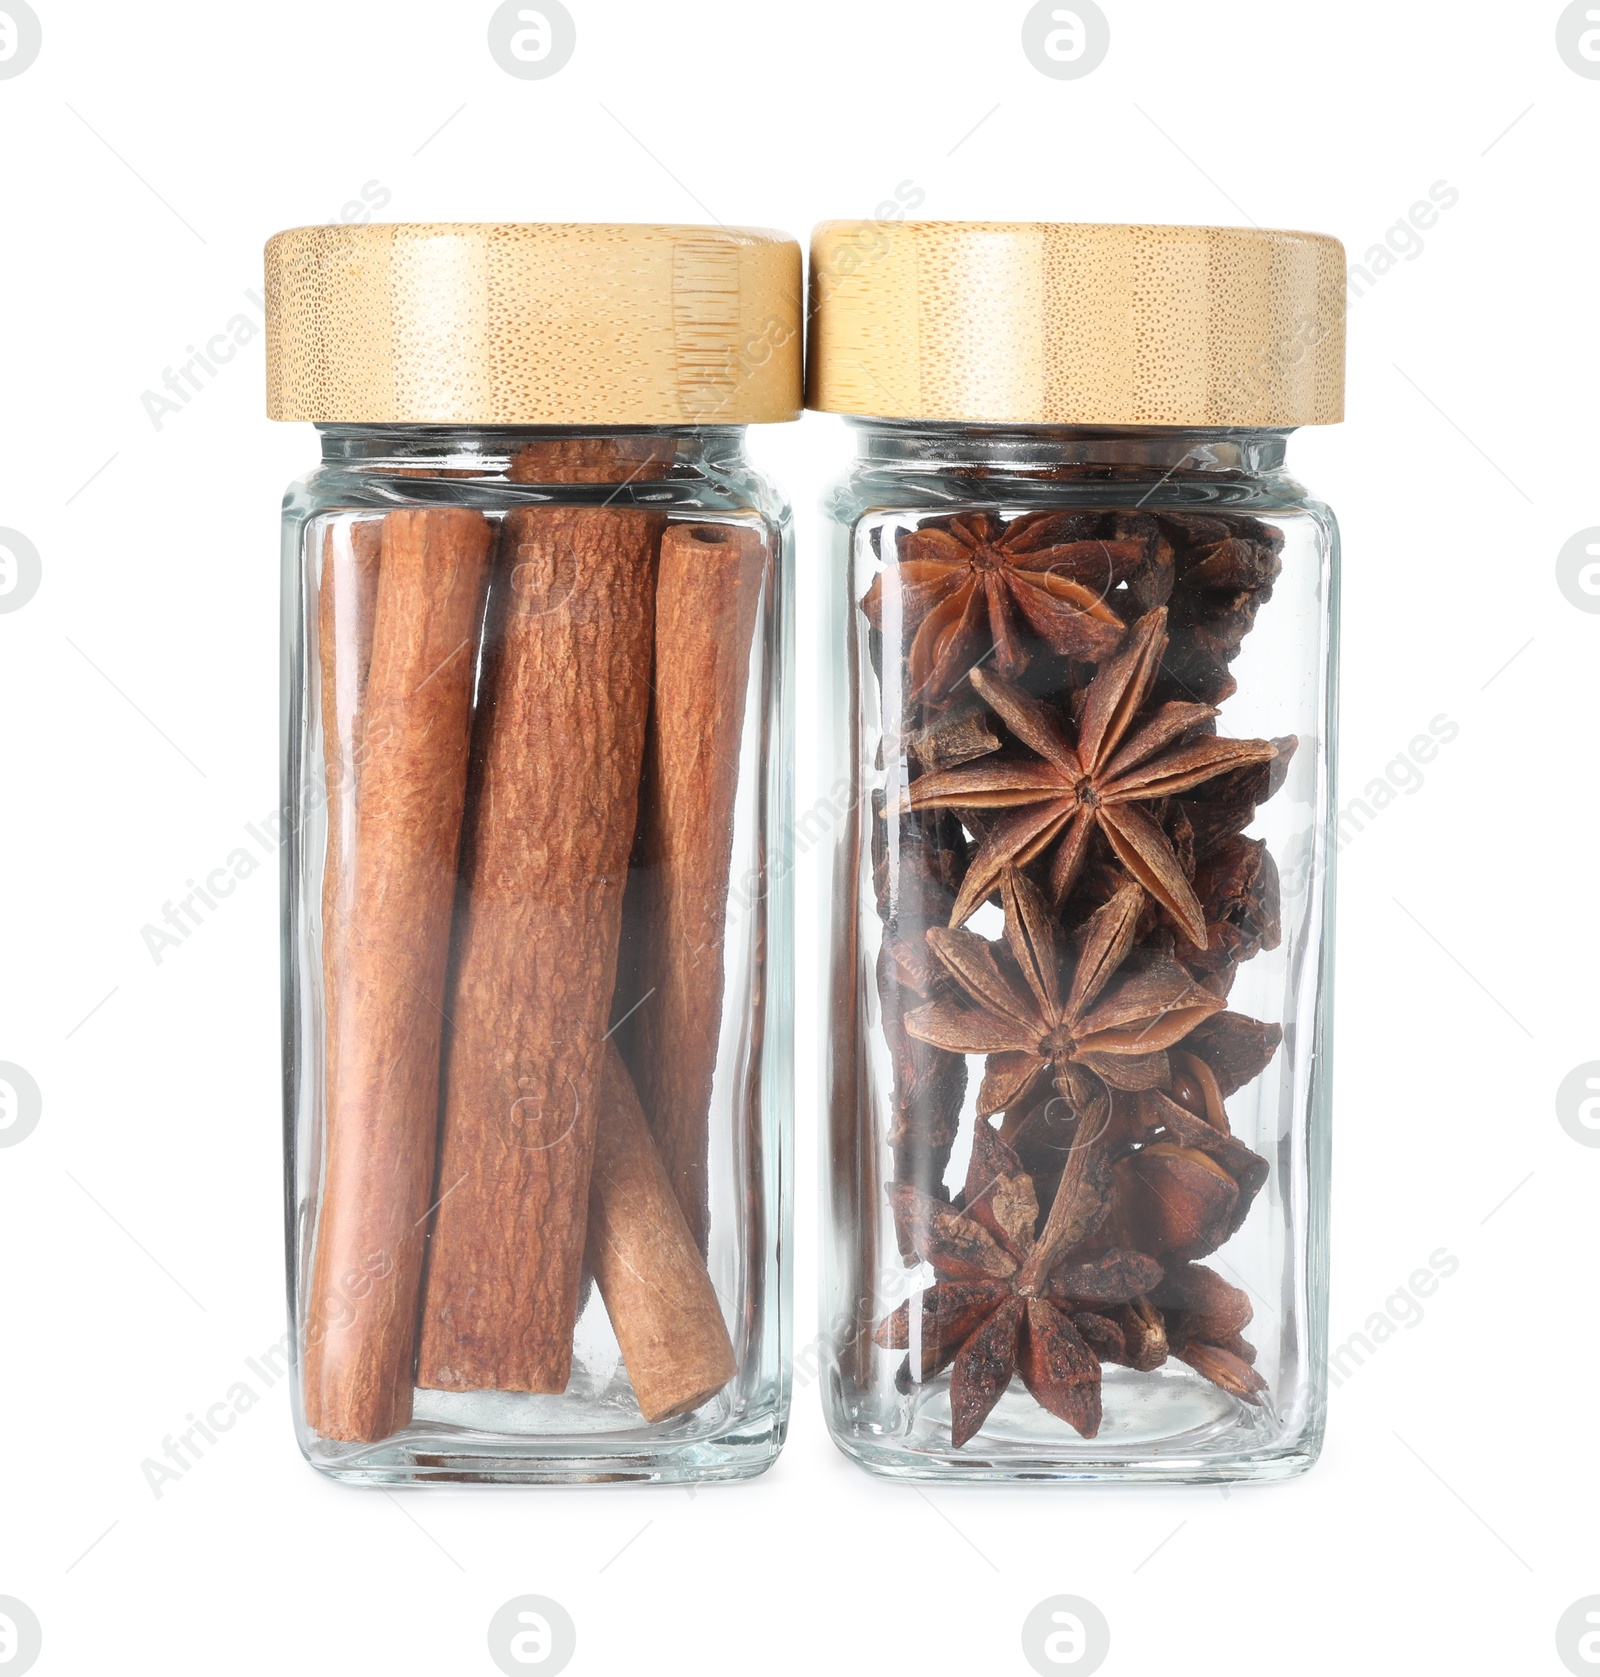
(147, 154)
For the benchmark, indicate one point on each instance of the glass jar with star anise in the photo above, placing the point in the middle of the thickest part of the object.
(1085, 659)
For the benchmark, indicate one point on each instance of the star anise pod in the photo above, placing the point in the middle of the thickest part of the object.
(1227, 805)
(1003, 1303)
(928, 1085)
(1087, 1033)
(1205, 1317)
(966, 584)
(1123, 756)
(1225, 569)
(1235, 1047)
(954, 734)
(1189, 1185)
(1237, 885)
(1235, 882)
(1182, 1182)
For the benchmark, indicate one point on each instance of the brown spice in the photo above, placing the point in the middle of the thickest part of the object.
(853, 1164)
(384, 1010)
(1087, 1025)
(347, 598)
(1003, 1302)
(662, 1306)
(556, 764)
(1056, 801)
(707, 596)
(600, 459)
(346, 603)
(1099, 776)
(965, 583)
(930, 1083)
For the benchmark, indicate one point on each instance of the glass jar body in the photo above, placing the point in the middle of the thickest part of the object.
(536, 1009)
(1077, 1159)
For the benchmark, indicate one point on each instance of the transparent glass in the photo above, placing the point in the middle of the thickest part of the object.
(537, 987)
(1077, 1160)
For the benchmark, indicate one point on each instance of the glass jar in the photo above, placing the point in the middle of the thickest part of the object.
(536, 740)
(1085, 671)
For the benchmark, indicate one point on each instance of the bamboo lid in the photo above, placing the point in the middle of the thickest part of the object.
(1062, 323)
(475, 323)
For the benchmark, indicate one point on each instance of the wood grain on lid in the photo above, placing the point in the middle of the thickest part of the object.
(533, 324)
(1061, 323)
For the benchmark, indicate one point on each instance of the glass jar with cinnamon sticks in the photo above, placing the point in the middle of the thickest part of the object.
(1085, 660)
(536, 748)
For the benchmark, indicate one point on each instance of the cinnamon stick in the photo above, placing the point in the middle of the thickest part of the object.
(346, 602)
(385, 1011)
(706, 601)
(624, 459)
(651, 1276)
(346, 606)
(556, 776)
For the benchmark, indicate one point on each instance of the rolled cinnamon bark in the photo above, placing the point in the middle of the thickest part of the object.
(385, 1010)
(706, 602)
(555, 796)
(618, 459)
(346, 603)
(652, 1278)
(346, 607)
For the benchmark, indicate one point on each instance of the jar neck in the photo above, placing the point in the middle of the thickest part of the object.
(489, 450)
(1111, 452)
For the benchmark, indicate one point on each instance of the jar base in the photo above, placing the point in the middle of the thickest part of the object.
(979, 1467)
(1173, 1430)
(426, 1455)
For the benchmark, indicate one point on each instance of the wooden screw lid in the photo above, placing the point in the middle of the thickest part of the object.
(473, 323)
(1062, 323)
